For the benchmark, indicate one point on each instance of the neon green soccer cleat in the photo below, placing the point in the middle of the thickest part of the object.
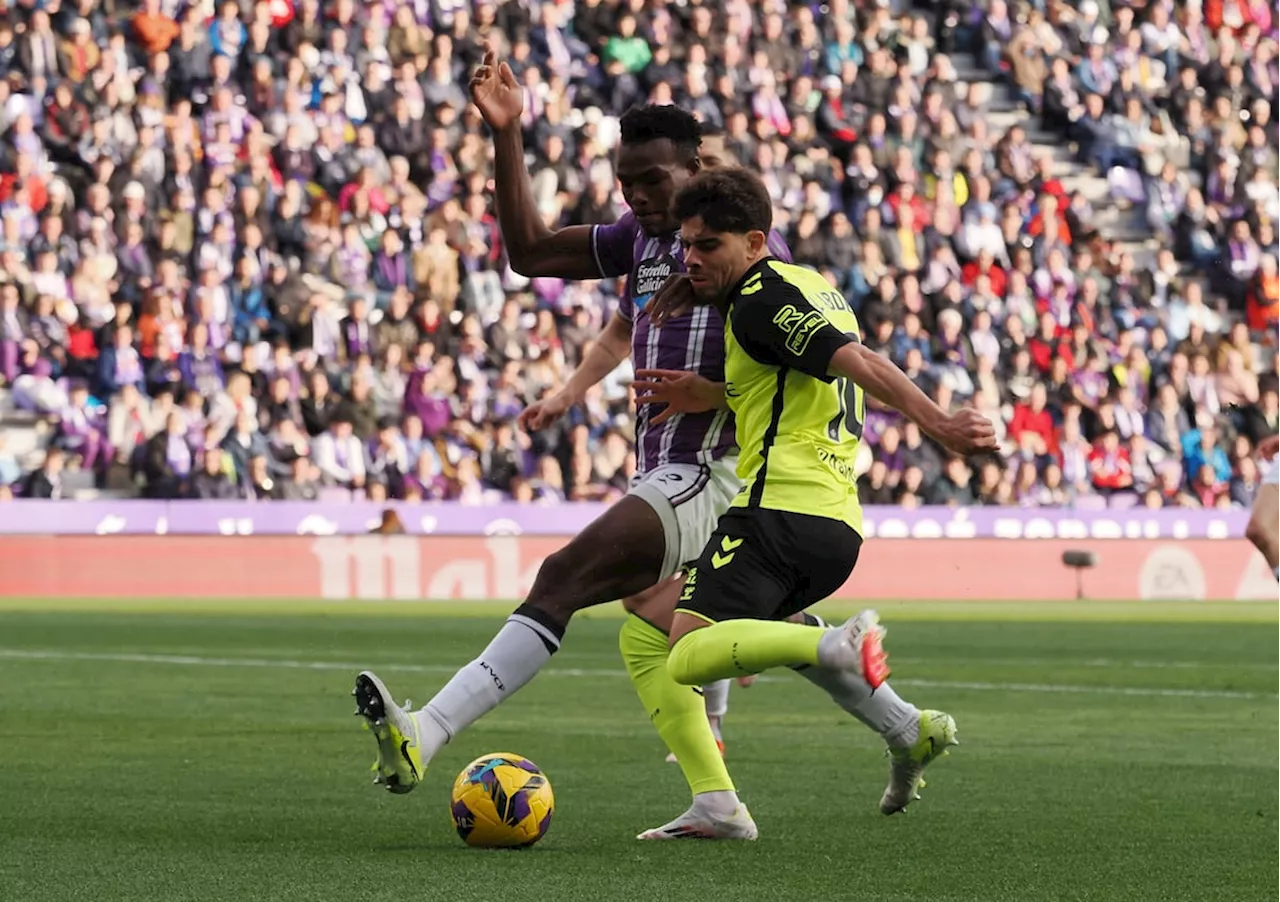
(399, 765)
(906, 766)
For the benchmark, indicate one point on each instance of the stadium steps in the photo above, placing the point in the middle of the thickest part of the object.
(93, 494)
(24, 432)
(1003, 112)
(1125, 226)
(27, 444)
(78, 485)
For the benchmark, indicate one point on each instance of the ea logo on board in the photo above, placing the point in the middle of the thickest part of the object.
(1171, 573)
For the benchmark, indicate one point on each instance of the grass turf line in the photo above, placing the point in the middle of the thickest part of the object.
(133, 780)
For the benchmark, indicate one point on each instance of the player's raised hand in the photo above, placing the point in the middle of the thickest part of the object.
(496, 93)
(967, 432)
(680, 391)
(674, 298)
(543, 414)
(1268, 447)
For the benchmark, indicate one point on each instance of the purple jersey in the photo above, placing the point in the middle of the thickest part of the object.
(693, 342)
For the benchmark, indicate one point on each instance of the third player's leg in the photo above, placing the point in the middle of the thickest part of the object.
(656, 607)
(1264, 522)
(688, 500)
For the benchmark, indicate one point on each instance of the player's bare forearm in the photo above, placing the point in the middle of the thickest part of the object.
(533, 249)
(518, 218)
(680, 390)
(610, 349)
(722, 399)
(882, 380)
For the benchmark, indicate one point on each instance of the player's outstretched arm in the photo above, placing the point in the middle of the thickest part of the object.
(679, 391)
(610, 349)
(964, 432)
(532, 249)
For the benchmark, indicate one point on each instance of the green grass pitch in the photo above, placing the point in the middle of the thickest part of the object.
(207, 752)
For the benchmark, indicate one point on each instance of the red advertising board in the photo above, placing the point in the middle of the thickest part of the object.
(503, 567)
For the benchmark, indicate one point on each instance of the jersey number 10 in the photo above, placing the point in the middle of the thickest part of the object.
(853, 408)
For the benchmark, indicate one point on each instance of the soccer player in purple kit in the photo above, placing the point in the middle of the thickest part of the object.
(686, 468)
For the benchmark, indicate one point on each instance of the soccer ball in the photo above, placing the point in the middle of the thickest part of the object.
(502, 801)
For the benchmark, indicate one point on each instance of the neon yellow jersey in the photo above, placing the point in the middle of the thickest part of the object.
(798, 428)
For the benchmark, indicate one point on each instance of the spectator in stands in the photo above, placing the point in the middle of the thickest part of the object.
(244, 444)
(301, 484)
(46, 482)
(340, 455)
(214, 482)
(169, 459)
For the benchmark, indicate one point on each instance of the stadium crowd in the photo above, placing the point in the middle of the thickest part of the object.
(248, 249)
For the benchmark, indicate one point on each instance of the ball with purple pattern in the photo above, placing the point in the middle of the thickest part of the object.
(502, 801)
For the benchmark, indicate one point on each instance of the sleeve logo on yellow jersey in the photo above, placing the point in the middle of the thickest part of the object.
(799, 327)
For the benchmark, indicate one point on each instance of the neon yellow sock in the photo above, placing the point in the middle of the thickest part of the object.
(737, 647)
(678, 712)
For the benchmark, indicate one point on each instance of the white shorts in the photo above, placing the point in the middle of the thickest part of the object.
(1271, 471)
(689, 499)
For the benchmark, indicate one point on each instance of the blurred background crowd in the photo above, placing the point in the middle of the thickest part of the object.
(247, 250)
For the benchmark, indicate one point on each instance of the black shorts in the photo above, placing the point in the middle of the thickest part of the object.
(767, 565)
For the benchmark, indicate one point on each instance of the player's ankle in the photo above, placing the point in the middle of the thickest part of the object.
(904, 735)
(831, 651)
(433, 733)
(718, 803)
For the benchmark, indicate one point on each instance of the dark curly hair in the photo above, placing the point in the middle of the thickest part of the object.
(654, 122)
(728, 200)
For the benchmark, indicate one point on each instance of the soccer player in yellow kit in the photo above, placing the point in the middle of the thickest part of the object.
(795, 376)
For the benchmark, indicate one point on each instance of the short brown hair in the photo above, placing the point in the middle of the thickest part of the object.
(727, 200)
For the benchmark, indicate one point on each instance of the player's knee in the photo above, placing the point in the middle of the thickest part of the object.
(643, 647)
(559, 583)
(629, 646)
(1260, 532)
(1254, 531)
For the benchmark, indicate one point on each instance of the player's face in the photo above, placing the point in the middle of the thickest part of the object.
(715, 260)
(714, 153)
(650, 174)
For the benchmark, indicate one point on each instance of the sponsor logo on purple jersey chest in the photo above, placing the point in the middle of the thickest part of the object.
(649, 276)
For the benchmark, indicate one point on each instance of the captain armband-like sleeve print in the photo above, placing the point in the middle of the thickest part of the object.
(778, 326)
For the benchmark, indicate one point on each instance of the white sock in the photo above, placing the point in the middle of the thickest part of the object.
(897, 721)
(720, 803)
(512, 658)
(716, 695)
